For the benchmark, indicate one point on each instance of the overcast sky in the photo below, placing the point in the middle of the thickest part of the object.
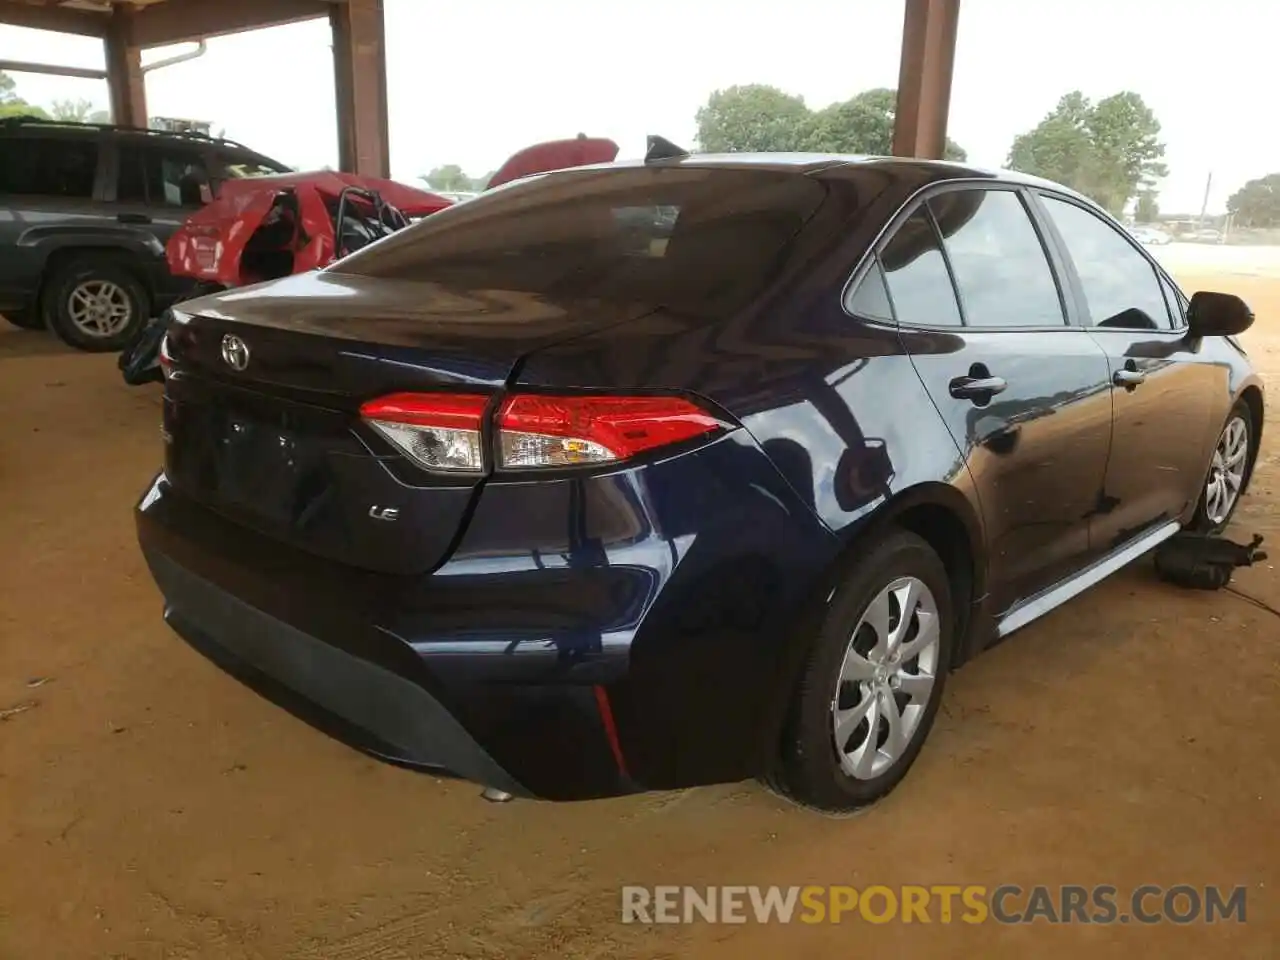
(470, 83)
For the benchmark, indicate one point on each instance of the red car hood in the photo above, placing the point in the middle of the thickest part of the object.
(581, 151)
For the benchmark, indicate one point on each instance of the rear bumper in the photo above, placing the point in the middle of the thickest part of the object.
(586, 638)
(363, 703)
(317, 639)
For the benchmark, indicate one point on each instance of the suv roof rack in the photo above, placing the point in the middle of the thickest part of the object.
(33, 120)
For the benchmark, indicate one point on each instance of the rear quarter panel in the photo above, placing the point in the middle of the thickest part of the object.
(831, 407)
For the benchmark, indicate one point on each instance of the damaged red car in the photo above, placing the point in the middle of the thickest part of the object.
(271, 227)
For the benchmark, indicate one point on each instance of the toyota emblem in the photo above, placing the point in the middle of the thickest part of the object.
(235, 352)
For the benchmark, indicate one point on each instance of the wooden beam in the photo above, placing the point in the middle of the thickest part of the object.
(360, 87)
(19, 13)
(180, 21)
(23, 66)
(125, 83)
(924, 78)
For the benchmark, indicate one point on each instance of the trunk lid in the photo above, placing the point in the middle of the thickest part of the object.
(276, 442)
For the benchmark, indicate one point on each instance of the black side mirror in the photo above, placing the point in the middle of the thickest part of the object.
(1218, 315)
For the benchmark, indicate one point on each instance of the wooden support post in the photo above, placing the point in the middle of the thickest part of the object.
(924, 78)
(125, 82)
(360, 81)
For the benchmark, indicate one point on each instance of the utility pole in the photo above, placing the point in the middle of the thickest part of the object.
(1204, 207)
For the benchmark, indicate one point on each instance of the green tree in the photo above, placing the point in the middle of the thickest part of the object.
(753, 117)
(18, 108)
(1257, 203)
(75, 111)
(449, 178)
(11, 105)
(1109, 150)
(756, 117)
(480, 184)
(1147, 211)
(862, 124)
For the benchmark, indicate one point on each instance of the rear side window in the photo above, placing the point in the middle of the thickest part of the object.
(1000, 266)
(49, 166)
(871, 298)
(702, 240)
(1121, 287)
(917, 276)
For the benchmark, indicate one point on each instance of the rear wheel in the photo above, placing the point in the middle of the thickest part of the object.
(95, 303)
(1228, 472)
(871, 685)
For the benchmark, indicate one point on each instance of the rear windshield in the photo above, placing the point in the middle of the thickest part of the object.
(697, 239)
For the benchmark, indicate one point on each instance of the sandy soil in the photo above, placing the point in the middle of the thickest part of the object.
(150, 807)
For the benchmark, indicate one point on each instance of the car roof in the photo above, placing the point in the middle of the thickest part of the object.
(24, 124)
(832, 163)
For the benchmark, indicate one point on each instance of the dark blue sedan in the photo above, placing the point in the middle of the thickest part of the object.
(683, 471)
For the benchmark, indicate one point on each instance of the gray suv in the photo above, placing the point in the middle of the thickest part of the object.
(85, 212)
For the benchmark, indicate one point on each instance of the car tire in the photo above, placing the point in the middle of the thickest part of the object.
(1229, 471)
(95, 303)
(846, 677)
(26, 319)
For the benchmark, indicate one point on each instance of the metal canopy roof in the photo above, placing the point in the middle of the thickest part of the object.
(158, 22)
(127, 26)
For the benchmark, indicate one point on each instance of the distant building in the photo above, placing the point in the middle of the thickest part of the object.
(179, 125)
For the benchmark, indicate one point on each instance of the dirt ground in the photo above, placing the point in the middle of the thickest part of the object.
(151, 807)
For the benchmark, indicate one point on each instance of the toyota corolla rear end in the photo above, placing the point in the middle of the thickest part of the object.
(365, 513)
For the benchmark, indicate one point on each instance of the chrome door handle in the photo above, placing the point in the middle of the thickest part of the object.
(977, 388)
(1128, 378)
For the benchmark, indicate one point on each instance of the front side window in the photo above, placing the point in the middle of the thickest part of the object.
(684, 238)
(183, 180)
(1177, 302)
(1121, 287)
(49, 166)
(162, 176)
(916, 274)
(1000, 266)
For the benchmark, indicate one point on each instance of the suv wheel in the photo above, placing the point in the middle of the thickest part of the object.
(873, 680)
(94, 303)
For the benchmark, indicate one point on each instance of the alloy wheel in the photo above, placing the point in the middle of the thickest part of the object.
(1226, 474)
(886, 678)
(99, 308)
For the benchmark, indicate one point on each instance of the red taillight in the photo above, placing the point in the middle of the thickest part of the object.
(542, 431)
(443, 431)
(440, 431)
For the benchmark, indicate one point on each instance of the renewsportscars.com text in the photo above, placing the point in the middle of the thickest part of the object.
(938, 903)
